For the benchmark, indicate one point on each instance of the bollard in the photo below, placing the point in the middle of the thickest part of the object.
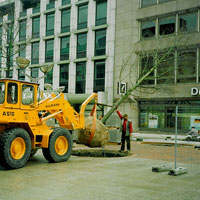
(178, 171)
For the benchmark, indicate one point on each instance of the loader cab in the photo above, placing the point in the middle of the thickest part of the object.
(18, 94)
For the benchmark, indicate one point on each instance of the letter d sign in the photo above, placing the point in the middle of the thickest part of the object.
(194, 91)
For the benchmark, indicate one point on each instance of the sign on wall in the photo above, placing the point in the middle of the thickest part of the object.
(195, 91)
(195, 121)
(153, 121)
(122, 87)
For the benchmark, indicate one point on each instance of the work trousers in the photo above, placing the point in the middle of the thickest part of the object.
(127, 139)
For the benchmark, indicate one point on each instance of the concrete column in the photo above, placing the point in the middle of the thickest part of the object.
(72, 53)
(110, 41)
(90, 47)
(42, 42)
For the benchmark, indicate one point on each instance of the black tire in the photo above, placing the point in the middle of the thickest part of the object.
(33, 152)
(8, 160)
(50, 153)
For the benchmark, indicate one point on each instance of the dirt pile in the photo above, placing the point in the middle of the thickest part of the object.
(100, 137)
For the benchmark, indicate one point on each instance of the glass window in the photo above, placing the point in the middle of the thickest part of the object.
(34, 72)
(9, 62)
(2, 92)
(50, 24)
(21, 74)
(148, 2)
(101, 12)
(100, 43)
(147, 62)
(99, 76)
(81, 45)
(186, 69)
(152, 117)
(64, 76)
(50, 5)
(22, 30)
(148, 29)
(49, 50)
(65, 21)
(10, 33)
(80, 77)
(22, 51)
(27, 94)
(82, 16)
(49, 77)
(0, 35)
(162, 1)
(12, 93)
(166, 68)
(167, 25)
(35, 53)
(36, 27)
(188, 22)
(64, 2)
(64, 51)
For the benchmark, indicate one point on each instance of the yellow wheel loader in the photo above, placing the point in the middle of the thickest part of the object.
(23, 128)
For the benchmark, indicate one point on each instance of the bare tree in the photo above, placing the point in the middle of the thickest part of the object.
(13, 37)
(156, 65)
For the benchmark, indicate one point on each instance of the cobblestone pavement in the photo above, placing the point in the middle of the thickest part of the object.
(92, 178)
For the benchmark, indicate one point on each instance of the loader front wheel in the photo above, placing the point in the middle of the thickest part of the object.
(60, 146)
(15, 148)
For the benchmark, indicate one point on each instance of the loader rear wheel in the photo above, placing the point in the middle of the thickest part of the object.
(60, 146)
(15, 148)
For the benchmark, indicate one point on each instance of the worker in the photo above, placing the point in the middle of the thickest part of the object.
(192, 134)
(126, 129)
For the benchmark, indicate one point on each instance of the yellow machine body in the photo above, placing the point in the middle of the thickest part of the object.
(29, 113)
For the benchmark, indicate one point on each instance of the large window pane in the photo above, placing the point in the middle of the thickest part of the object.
(49, 50)
(27, 94)
(22, 30)
(166, 68)
(22, 51)
(100, 43)
(167, 25)
(82, 16)
(99, 76)
(186, 69)
(64, 2)
(188, 22)
(12, 93)
(101, 13)
(35, 53)
(64, 51)
(80, 77)
(36, 27)
(64, 76)
(50, 24)
(147, 62)
(65, 21)
(21, 74)
(49, 77)
(34, 72)
(148, 29)
(81, 45)
(162, 1)
(148, 2)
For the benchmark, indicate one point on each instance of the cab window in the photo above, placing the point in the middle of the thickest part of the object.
(12, 93)
(2, 92)
(27, 94)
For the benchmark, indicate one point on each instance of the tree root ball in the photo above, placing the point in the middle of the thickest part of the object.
(100, 137)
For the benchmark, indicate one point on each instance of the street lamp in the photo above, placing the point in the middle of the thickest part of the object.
(22, 63)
